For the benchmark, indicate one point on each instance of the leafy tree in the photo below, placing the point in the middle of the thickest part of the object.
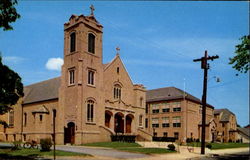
(11, 88)
(8, 14)
(241, 60)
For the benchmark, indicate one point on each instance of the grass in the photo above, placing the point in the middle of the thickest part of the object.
(223, 145)
(35, 153)
(130, 147)
(228, 145)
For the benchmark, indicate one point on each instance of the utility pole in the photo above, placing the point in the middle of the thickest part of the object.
(54, 133)
(205, 66)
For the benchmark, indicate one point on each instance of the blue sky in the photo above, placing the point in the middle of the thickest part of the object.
(158, 42)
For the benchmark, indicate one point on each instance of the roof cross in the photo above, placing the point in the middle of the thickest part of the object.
(92, 10)
(117, 50)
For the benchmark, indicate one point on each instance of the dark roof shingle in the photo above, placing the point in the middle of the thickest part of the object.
(169, 93)
(225, 114)
(41, 91)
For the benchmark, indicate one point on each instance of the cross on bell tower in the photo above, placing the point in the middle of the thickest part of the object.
(92, 10)
(117, 50)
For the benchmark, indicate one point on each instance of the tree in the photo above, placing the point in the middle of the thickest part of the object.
(8, 14)
(241, 60)
(11, 88)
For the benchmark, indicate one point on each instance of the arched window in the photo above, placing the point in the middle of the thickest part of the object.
(72, 42)
(90, 111)
(117, 91)
(91, 43)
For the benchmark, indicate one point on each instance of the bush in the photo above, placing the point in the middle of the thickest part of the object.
(171, 147)
(16, 145)
(45, 144)
(197, 140)
(209, 146)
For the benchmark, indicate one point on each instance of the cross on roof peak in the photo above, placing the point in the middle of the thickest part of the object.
(92, 10)
(117, 50)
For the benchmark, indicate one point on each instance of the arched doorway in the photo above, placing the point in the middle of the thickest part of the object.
(108, 116)
(129, 119)
(69, 133)
(119, 123)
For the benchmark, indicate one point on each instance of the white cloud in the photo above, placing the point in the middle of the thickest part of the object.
(54, 64)
(13, 59)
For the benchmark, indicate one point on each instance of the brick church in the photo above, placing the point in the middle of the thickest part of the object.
(91, 100)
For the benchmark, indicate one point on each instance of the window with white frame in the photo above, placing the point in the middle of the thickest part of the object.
(155, 108)
(177, 121)
(155, 122)
(176, 106)
(117, 91)
(140, 120)
(165, 107)
(90, 111)
(71, 76)
(91, 77)
(165, 122)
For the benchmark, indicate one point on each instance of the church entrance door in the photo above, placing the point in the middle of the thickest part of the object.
(69, 133)
(108, 116)
(119, 123)
(129, 119)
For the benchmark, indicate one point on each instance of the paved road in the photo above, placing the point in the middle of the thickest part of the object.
(102, 152)
(234, 156)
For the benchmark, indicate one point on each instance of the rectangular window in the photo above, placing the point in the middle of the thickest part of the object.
(164, 110)
(146, 108)
(177, 121)
(71, 76)
(165, 134)
(140, 121)
(177, 109)
(72, 42)
(25, 119)
(11, 118)
(41, 117)
(155, 122)
(91, 76)
(155, 108)
(176, 135)
(90, 111)
(155, 134)
(165, 122)
(146, 123)
(165, 107)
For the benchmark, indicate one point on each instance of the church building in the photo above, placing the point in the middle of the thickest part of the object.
(90, 100)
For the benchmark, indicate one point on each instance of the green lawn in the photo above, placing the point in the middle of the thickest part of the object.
(222, 145)
(34, 153)
(228, 145)
(130, 147)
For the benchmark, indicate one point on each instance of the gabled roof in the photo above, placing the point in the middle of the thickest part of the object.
(169, 93)
(245, 131)
(225, 114)
(41, 91)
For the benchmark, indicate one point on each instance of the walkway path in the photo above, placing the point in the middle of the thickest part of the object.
(103, 152)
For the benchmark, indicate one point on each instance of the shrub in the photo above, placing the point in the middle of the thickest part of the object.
(230, 141)
(45, 144)
(16, 145)
(209, 146)
(171, 147)
(197, 140)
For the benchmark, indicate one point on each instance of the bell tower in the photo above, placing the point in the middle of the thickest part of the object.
(82, 77)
